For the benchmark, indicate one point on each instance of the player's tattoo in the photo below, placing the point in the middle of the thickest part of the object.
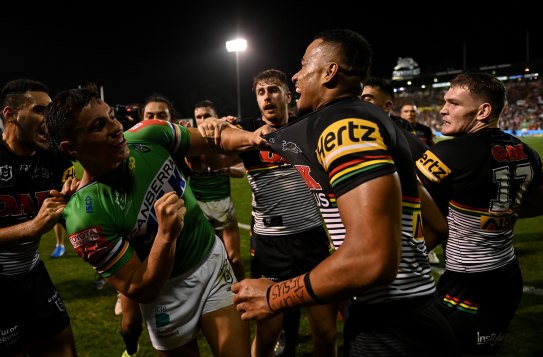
(289, 294)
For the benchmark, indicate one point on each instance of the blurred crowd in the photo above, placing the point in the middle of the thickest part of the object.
(524, 110)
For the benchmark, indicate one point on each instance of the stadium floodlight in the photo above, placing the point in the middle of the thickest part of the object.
(237, 46)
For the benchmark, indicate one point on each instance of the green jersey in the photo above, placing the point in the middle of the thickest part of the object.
(210, 186)
(113, 217)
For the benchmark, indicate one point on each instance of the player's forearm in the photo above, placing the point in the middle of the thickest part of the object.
(229, 139)
(18, 233)
(338, 277)
(434, 224)
(371, 250)
(234, 140)
(153, 272)
(291, 294)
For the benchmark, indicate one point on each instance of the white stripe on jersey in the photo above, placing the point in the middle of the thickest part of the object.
(470, 249)
(282, 192)
(20, 259)
(334, 225)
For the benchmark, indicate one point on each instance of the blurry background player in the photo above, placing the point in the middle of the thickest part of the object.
(380, 91)
(210, 182)
(60, 249)
(409, 112)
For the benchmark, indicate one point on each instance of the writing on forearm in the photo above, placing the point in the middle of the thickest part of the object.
(290, 294)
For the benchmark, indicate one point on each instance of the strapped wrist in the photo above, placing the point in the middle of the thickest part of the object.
(309, 288)
(268, 299)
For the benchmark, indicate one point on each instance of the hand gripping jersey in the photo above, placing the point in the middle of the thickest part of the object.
(282, 204)
(478, 181)
(25, 183)
(341, 146)
(113, 216)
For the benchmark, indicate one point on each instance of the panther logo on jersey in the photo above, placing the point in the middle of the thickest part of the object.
(290, 146)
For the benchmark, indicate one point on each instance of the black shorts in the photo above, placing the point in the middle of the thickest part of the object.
(283, 257)
(412, 327)
(30, 308)
(480, 306)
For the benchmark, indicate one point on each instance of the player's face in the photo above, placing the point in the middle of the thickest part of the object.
(99, 139)
(376, 97)
(409, 113)
(308, 79)
(157, 110)
(202, 113)
(273, 101)
(459, 112)
(28, 120)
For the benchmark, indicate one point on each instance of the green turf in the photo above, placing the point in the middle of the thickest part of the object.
(96, 326)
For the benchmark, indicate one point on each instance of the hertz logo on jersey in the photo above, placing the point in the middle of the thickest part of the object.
(348, 136)
(68, 173)
(432, 168)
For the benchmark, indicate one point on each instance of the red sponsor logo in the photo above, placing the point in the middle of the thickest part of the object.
(91, 245)
(85, 237)
(508, 153)
(147, 122)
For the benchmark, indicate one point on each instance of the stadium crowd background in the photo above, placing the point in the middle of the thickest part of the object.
(523, 115)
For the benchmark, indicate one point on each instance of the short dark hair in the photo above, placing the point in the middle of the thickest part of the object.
(355, 50)
(206, 103)
(13, 92)
(162, 99)
(61, 114)
(384, 85)
(485, 85)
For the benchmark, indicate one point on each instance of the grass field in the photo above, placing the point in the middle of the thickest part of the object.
(96, 326)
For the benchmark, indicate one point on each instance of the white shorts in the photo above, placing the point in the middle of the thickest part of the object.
(220, 213)
(173, 318)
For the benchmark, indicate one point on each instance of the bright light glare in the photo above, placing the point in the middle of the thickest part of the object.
(237, 45)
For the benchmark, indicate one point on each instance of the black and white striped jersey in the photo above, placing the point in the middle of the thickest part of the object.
(281, 201)
(479, 181)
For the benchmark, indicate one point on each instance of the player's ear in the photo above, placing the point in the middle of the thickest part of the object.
(67, 148)
(484, 111)
(388, 106)
(9, 114)
(289, 97)
(332, 70)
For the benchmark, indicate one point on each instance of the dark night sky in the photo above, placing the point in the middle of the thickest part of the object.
(166, 47)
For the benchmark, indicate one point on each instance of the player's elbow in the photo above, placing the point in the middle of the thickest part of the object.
(386, 271)
(378, 271)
